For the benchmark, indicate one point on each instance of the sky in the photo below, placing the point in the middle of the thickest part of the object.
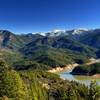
(25, 16)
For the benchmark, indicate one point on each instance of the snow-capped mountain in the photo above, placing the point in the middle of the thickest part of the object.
(58, 32)
(41, 33)
(55, 32)
(77, 31)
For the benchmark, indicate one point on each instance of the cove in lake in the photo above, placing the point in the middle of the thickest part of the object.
(79, 78)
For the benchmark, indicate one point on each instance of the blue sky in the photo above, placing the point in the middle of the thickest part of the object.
(24, 16)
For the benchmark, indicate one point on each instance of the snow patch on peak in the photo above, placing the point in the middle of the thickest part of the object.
(79, 31)
(41, 33)
(58, 30)
(85, 29)
(61, 32)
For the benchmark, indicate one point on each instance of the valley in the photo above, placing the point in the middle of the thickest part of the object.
(49, 66)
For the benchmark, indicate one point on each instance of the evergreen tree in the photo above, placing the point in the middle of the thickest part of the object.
(94, 91)
(11, 85)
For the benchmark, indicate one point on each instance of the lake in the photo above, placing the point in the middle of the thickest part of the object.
(79, 78)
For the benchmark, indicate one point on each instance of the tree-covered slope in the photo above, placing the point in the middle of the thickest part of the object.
(14, 41)
(10, 56)
(56, 51)
(42, 85)
(91, 39)
(48, 51)
(87, 69)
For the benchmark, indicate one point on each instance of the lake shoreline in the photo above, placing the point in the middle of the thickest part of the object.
(96, 76)
(68, 68)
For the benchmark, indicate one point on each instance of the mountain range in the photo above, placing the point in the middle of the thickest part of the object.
(56, 48)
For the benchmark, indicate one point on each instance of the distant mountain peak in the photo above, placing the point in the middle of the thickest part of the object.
(80, 31)
(41, 33)
(58, 30)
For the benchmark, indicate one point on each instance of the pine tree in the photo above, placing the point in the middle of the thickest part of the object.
(94, 92)
(11, 85)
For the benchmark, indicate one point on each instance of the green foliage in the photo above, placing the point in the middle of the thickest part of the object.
(29, 65)
(44, 52)
(92, 39)
(56, 51)
(13, 41)
(64, 90)
(10, 56)
(94, 91)
(35, 89)
(42, 85)
(11, 84)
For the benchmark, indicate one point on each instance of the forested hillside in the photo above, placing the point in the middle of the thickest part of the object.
(42, 85)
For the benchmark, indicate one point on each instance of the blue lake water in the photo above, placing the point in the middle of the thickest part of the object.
(79, 78)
